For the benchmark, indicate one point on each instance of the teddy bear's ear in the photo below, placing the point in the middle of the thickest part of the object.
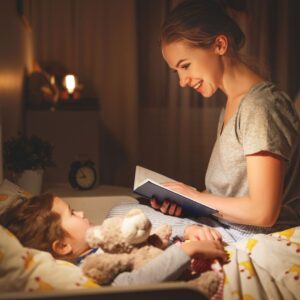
(94, 236)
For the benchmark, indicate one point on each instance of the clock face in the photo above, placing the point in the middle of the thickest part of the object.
(85, 177)
(82, 175)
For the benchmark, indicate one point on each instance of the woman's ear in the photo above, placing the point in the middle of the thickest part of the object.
(62, 248)
(221, 44)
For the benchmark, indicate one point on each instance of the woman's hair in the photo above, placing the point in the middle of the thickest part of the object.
(199, 22)
(33, 223)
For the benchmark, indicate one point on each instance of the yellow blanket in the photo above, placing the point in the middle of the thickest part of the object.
(264, 267)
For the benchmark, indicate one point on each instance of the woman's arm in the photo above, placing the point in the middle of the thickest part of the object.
(261, 207)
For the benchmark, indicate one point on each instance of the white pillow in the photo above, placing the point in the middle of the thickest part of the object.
(9, 193)
(25, 269)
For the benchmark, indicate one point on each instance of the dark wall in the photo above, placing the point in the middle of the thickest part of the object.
(13, 56)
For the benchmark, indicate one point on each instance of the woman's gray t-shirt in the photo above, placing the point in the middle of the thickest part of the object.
(265, 120)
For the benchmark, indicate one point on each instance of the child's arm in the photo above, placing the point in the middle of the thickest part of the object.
(164, 267)
(205, 249)
(171, 263)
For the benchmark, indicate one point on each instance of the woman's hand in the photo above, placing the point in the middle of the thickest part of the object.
(181, 188)
(205, 250)
(167, 207)
(196, 232)
(170, 208)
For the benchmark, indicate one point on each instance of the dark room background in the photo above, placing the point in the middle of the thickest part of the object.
(144, 117)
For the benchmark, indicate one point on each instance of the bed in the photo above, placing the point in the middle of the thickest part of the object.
(53, 279)
(31, 274)
(263, 267)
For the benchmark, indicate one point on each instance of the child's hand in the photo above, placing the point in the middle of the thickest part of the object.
(197, 232)
(205, 249)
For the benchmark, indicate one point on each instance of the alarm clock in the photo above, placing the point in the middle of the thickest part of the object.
(82, 175)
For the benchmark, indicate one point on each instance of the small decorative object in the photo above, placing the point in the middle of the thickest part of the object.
(82, 175)
(27, 158)
(42, 89)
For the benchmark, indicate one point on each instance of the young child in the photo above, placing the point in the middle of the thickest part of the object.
(48, 223)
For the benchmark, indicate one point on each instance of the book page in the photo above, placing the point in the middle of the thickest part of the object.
(141, 174)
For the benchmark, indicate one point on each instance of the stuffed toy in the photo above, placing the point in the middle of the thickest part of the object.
(128, 243)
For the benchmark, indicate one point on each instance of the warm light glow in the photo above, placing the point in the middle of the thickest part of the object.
(70, 83)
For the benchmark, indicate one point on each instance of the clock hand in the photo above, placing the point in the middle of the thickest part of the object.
(82, 174)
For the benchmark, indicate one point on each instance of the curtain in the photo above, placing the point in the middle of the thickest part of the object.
(274, 40)
(178, 127)
(96, 40)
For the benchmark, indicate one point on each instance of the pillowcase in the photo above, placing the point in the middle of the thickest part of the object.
(9, 193)
(27, 270)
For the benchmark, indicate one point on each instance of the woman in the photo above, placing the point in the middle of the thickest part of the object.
(254, 171)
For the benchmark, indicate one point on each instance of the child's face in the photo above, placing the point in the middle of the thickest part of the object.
(74, 223)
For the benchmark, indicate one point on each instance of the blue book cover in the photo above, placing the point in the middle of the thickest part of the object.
(148, 184)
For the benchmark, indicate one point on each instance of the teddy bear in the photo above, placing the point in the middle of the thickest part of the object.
(128, 242)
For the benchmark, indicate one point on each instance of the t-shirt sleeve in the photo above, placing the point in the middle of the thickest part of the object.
(267, 125)
(165, 267)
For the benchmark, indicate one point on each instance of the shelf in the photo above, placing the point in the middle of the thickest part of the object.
(69, 104)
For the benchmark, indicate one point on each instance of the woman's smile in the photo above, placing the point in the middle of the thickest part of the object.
(198, 86)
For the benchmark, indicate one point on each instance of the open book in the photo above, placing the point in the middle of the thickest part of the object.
(148, 184)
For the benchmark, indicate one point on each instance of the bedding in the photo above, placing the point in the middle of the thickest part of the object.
(261, 267)
(264, 267)
(25, 269)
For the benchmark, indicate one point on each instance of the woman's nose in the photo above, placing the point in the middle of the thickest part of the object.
(184, 81)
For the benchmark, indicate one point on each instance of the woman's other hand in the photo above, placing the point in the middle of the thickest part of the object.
(167, 207)
(196, 232)
(171, 208)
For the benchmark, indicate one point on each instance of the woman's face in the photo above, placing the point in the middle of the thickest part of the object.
(198, 68)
